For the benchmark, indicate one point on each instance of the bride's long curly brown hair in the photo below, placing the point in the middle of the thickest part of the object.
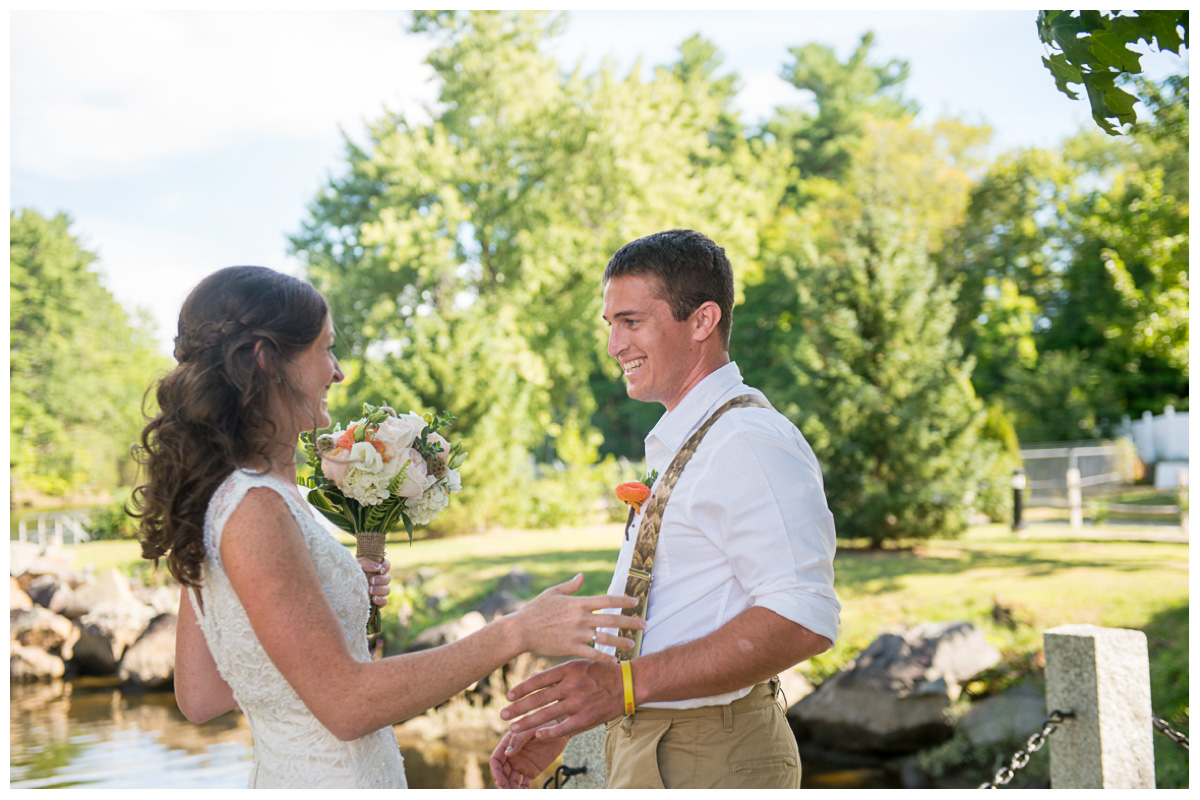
(237, 330)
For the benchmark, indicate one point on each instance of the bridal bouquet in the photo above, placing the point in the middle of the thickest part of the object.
(383, 469)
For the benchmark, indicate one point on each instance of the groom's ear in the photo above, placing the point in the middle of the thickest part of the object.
(705, 320)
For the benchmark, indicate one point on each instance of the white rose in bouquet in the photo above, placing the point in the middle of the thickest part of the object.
(365, 458)
(416, 477)
(413, 418)
(395, 435)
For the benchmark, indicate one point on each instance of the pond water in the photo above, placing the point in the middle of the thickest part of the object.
(89, 734)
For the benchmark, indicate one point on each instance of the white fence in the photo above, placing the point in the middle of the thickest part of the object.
(53, 527)
(1048, 467)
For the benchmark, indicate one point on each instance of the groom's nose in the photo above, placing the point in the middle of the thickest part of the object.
(615, 341)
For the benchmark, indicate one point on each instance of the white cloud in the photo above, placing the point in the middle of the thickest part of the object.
(96, 93)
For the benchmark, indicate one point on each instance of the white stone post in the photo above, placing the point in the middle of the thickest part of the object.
(586, 750)
(1074, 497)
(1102, 676)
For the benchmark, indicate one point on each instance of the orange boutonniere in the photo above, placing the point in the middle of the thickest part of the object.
(635, 493)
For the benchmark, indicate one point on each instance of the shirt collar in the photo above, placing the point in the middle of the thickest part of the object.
(673, 428)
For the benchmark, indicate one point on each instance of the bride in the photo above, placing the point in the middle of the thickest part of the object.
(273, 619)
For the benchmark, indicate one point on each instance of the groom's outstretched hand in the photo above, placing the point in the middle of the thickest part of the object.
(566, 699)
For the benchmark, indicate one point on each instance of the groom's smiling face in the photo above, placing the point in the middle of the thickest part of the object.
(656, 352)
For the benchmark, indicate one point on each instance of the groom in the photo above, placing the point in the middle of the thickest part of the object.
(743, 568)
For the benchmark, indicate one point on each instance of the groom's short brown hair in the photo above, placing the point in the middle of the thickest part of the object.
(691, 270)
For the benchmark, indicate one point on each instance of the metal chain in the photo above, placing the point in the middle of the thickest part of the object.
(1175, 736)
(562, 775)
(1021, 757)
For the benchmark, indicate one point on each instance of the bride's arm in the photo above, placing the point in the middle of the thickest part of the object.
(270, 569)
(200, 691)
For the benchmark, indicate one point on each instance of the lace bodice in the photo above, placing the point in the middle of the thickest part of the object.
(291, 748)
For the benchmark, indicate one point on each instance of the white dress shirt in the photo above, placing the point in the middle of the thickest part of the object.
(747, 525)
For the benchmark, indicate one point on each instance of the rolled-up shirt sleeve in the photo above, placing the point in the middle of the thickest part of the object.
(760, 500)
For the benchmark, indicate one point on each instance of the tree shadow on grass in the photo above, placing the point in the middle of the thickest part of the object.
(884, 569)
(1167, 640)
(547, 568)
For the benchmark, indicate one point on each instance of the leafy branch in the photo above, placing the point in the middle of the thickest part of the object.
(1093, 50)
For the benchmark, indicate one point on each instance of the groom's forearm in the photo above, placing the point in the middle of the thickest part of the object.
(754, 646)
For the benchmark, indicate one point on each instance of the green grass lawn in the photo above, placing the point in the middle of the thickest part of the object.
(1113, 576)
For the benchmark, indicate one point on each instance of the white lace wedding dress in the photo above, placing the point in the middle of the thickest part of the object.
(291, 748)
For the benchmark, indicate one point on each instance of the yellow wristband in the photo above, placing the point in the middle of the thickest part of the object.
(627, 678)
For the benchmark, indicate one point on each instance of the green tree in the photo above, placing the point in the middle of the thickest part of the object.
(78, 364)
(1163, 140)
(1082, 253)
(1093, 50)
(842, 328)
(1126, 295)
(463, 256)
(880, 388)
(851, 341)
(840, 97)
(1065, 398)
(1007, 259)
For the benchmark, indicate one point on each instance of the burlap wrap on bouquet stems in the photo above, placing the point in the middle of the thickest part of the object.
(372, 545)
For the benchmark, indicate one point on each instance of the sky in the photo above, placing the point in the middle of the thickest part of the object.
(181, 142)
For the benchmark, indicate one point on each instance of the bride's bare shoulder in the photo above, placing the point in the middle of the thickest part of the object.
(262, 522)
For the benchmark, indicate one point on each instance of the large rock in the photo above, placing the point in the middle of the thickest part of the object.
(56, 593)
(497, 604)
(518, 582)
(149, 663)
(892, 698)
(49, 561)
(106, 632)
(794, 686)
(29, 664)
(20, 556)
(1007, 718)
(42, 628)
(107, 588)
(448, 632)
(63, 601)
(42, 588)
(163, 599)
(17, 598)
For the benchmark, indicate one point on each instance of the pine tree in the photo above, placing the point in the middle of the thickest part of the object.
(897, 434)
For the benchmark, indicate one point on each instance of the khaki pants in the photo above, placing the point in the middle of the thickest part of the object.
(744, 745)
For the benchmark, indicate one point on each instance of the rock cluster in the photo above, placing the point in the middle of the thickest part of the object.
(896, 703)
(65, 621)
(894, 697)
